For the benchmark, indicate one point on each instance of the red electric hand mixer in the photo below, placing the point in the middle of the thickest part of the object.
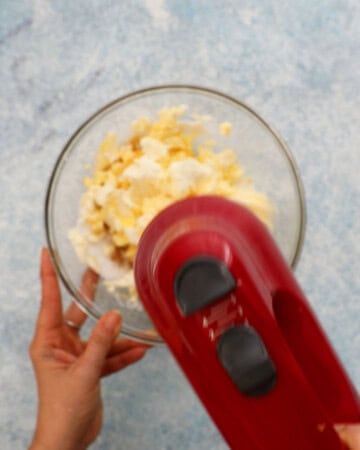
(223, 298)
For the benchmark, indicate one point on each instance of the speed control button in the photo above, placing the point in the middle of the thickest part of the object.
(245, 358)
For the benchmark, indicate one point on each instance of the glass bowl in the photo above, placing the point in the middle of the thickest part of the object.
(261, 151)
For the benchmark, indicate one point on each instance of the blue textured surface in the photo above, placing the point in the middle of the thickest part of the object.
(296, 62)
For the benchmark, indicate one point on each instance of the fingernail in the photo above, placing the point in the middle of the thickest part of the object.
(112, 322)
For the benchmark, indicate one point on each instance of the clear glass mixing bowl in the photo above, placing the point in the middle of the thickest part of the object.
(260, 149)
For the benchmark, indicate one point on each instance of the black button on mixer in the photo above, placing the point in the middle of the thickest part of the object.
(245, 358)
(200, 281)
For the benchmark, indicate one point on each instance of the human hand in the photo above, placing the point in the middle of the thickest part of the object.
(350, 435)
(68, 370)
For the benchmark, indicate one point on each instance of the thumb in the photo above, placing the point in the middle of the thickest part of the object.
(105, 331)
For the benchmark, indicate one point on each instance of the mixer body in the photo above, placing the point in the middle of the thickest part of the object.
(223, 298)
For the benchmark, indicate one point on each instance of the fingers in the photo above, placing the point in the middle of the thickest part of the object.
(350, 435)
(88, 287)
(63, 356)
(120, 361)
(105, 331)
(50, 315)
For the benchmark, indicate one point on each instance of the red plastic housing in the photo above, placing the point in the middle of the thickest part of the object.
(312, 391)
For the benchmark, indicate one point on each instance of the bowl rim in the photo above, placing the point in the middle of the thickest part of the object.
(74, 293)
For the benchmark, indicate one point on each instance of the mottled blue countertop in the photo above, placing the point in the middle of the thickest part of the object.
(296, 62)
